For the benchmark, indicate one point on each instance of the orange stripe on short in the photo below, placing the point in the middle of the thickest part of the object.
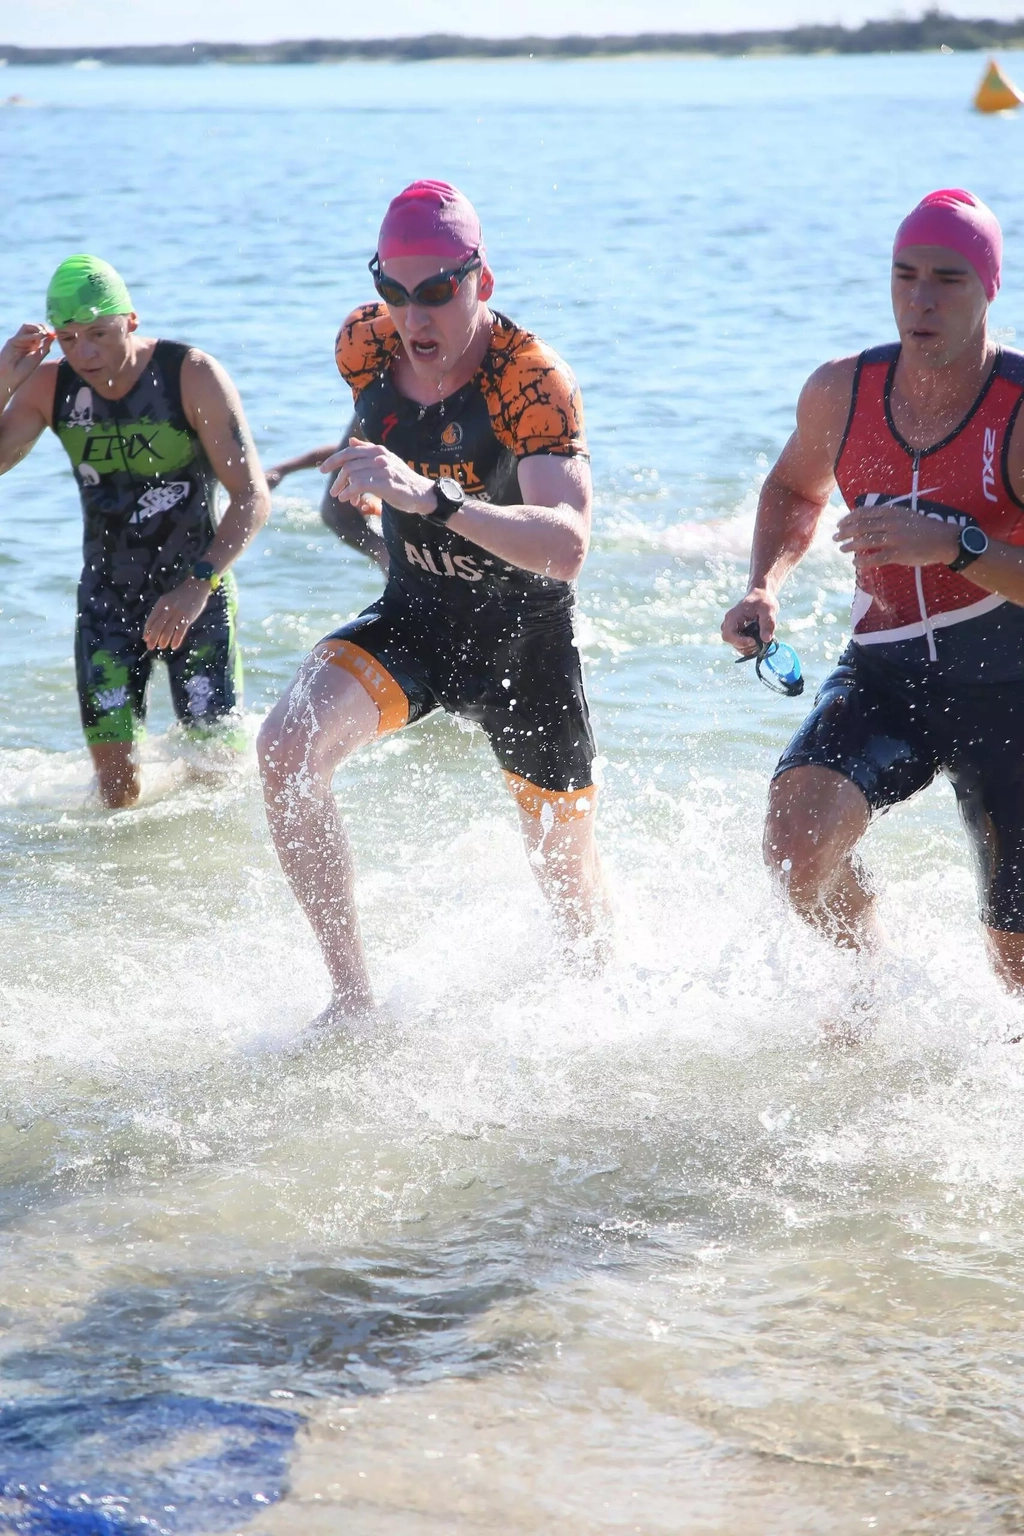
(379, 684)
(566, 804)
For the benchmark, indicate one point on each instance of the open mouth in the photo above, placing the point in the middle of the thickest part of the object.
(429, 351)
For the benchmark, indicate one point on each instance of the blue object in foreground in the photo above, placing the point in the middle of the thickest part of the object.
(782, 665)
(160, 1465)
(776, 664)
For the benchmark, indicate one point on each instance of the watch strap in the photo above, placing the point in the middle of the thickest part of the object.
(445, 507)
(205, 570)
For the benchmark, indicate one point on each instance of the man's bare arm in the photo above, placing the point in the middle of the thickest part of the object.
(343, 518)
(214, 411)
(27, 385)
(310, 460)
(351, 525)
(792, 500)
(548, 533)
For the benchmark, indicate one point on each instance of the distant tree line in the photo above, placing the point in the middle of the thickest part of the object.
(934, 30)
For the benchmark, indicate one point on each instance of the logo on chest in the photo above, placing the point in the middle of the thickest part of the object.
(462, 566)
(452, 435)
(919, 502)
(988, 465)
(81, 414)
(160, 498)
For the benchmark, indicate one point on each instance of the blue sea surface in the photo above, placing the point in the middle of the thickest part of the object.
(220, 1463)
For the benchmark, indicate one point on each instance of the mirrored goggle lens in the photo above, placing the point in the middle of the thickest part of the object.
(780, 668)
(390, 291)
(433, 294)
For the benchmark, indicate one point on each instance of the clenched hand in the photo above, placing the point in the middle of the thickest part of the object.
(21, 355)
(365, 471)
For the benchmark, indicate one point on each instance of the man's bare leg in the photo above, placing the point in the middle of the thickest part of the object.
(564, 859)
(324, 716)
(1006, 952)
(213, 755)
(816, 818)
(117, 772)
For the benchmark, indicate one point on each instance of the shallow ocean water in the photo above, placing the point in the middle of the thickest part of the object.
(637, 1253)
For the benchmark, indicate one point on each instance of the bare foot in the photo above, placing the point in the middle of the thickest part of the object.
(591, 956)
(210, 760)
(343, 1021)
(843, 1034)
(853, 1022)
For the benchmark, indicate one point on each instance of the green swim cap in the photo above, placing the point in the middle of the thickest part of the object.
(82, 289)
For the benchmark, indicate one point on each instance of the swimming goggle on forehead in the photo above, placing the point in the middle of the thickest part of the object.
(433, 292)
(776, 664)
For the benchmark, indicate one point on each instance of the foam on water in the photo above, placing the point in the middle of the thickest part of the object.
(601, 1149)
(189, 1201)
(710, 974)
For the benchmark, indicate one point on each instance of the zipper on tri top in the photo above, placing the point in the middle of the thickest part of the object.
(929, 632)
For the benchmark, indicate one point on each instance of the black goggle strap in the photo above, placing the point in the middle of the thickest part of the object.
(764, 648)
(380, 282)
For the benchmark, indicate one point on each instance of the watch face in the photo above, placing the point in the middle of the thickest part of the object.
(974, 540)
(451, 490)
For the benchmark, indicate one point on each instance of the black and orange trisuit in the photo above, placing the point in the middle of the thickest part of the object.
(458, 628)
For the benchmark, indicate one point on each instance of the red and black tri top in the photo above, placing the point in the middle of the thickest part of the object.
(930, 617)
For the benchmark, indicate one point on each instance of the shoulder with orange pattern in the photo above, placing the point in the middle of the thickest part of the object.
(532, 396)
(366, 343)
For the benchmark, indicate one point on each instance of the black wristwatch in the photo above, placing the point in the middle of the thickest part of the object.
(973, 544)
(449, 497)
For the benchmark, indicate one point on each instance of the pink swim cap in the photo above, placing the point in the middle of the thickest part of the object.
(430, 218)
(961, 222)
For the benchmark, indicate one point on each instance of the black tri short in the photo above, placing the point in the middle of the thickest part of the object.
(515, 673)
(892, 732)
(113, 667)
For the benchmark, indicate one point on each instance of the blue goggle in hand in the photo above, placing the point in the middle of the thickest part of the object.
(776, 664)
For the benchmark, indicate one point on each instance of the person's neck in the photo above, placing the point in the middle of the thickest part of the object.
(428, 388)
(139, 353)
(933, 400)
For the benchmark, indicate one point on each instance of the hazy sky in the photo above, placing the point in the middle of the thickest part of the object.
(81, 22)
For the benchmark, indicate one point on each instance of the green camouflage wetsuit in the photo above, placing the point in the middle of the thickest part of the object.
(148, 494)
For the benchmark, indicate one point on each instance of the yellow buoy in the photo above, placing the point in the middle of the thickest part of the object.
(997, 92)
